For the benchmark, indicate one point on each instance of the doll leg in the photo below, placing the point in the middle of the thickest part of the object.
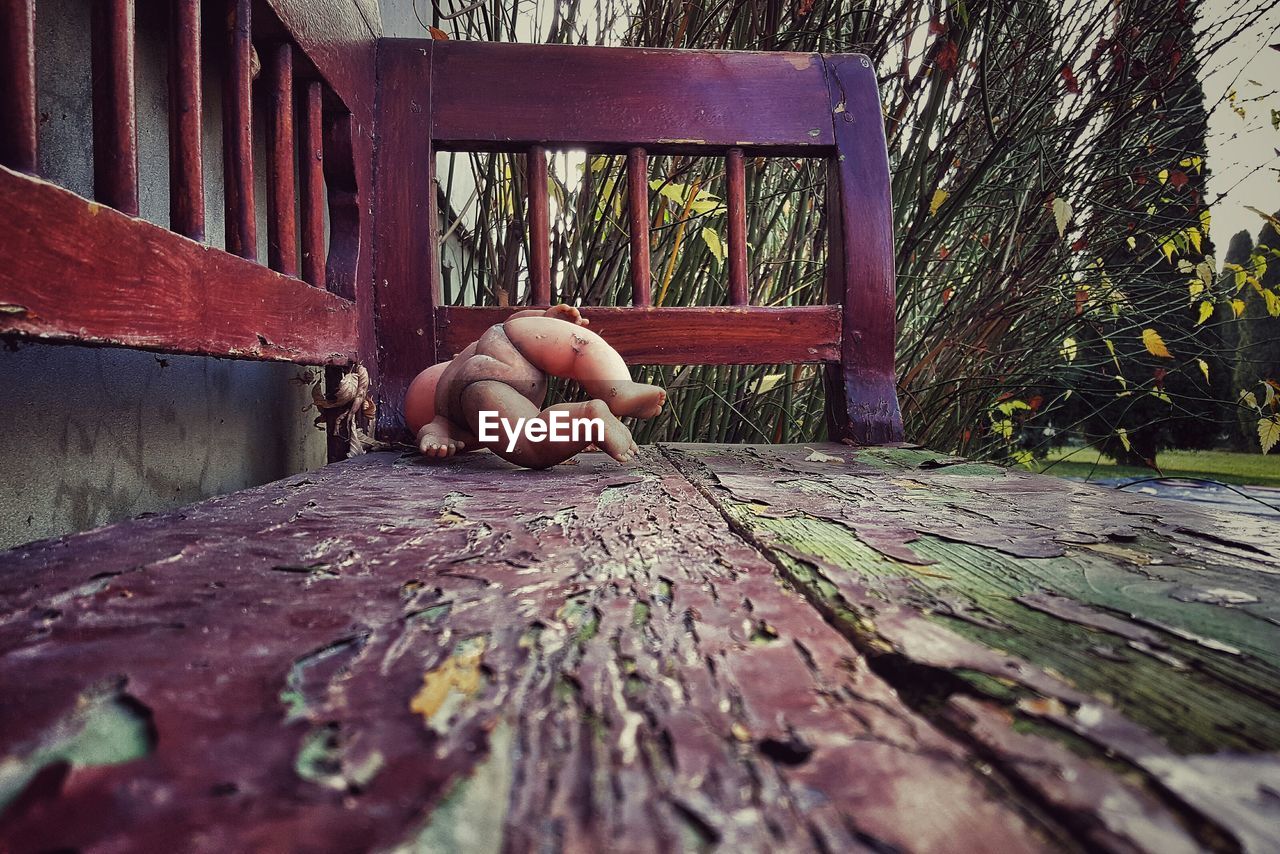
(566, 350)
(494, 396)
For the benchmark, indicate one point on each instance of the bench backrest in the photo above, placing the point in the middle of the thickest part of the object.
(478, 96)
(92, 272)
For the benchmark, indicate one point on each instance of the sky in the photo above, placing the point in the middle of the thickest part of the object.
(1243, 161)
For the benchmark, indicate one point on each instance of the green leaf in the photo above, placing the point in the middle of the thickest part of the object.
(712, 239)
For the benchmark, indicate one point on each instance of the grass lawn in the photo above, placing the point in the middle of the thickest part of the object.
(1226, 466)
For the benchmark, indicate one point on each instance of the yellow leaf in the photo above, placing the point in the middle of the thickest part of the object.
(1168, 248)
(1155, 344)
(1196, 288)
(1163, 176)
(712, 239)
(1249, 399)
(766, 383)
(1273, 303)
(1011, 406)
(1161, 394)
(1061, 214)
(1206, 312)
(1124, 438)
(1205, 219)
(1269, 432)
(1133, 244)
(1194, 235)
(1204, 368)
(1003, 428)
(1069, 349)
(1237, 305)
(939, 196)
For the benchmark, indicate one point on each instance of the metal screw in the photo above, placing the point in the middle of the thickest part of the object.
(866, 63)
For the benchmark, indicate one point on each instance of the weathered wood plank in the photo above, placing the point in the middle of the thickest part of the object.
(510, 96)
(715, 335)
(459, 656)
(1070, 632)
(74, 270)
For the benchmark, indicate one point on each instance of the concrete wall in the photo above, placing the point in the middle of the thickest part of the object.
(94, 435)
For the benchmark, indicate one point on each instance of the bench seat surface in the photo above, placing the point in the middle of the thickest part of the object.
(734, 647)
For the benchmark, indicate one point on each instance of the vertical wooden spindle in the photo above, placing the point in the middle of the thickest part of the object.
(282, 224)
(115, 123)
(237, 134)
(736, 172)
(539, 228)
(638, 224)
(18, 85)
(186, 163)
(312, 186)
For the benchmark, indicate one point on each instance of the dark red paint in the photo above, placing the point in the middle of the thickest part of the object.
(186, 159)
(18, 125)
(115, 119)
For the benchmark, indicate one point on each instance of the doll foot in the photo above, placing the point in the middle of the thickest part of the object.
(437, 445)
(567, 313)
(637, 400)
(617, 441)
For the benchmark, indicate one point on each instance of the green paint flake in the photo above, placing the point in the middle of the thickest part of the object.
(105, 729)
(472, 814)
(1217, 701)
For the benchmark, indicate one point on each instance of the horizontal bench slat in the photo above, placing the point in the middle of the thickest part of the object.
(496, 96)
(73, 270)
(714, 335)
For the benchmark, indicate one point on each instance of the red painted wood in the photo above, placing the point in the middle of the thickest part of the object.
(237, 133)
(510, 96)
(186, 162)
(277, 644)
(123, 281)
(115, 120)
(18, 121)
(539, 228)
(407, 264)
(735, 172)
(862, 402)
(638, 226)
(312, 185)
(282, 222)
(716, 335)
(338, 37)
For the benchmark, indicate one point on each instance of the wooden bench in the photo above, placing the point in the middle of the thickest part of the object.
(862, 646)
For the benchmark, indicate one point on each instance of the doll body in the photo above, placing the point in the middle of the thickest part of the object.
(505, 372)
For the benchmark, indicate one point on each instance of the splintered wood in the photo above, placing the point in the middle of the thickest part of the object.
(742, 649)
